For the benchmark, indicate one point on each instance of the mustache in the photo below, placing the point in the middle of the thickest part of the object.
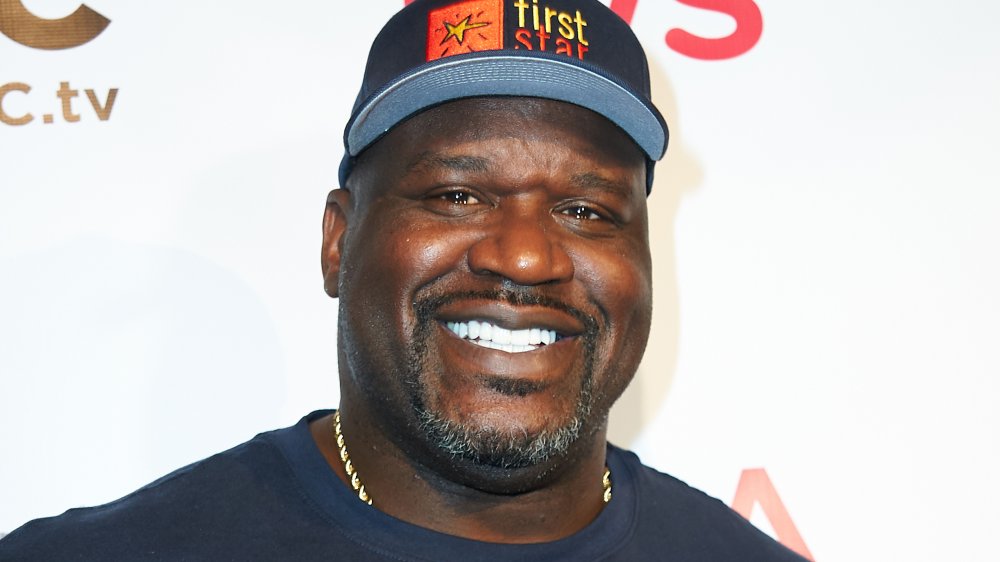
(427, 307)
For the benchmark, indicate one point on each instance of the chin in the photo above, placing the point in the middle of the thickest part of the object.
(500, 424)
(504, 448)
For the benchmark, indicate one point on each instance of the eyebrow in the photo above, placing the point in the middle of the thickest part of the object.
(432, 160)
(591, 180)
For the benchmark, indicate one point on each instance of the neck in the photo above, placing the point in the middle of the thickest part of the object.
(557, 502)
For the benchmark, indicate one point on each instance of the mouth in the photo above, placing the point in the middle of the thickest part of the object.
(492, 336)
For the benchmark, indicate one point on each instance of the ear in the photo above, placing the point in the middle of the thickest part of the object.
(338, 205)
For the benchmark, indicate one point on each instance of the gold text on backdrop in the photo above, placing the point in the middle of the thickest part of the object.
(17, 23)
(65, 95)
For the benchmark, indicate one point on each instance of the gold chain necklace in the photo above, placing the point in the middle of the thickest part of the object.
(345, 458)
(359, 486)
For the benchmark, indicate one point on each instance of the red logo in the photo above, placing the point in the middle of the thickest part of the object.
(755, 487)
(465, 27)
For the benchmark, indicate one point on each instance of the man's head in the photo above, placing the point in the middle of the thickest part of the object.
(492, 262)
(576, 51)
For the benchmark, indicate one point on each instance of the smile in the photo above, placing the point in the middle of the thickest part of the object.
(488, 335)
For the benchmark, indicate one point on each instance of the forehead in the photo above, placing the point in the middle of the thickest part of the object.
(460, 128)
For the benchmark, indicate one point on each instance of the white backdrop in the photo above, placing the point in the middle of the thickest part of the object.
(824, 230)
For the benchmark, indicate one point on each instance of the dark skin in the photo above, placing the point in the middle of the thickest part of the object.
(505, 196)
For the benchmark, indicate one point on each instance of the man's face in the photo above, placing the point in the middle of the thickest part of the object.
(495, 280)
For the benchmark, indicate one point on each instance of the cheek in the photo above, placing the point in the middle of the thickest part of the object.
(618, 275)
(386, 262)
(619, 280)
(416, 252)
(391, 259)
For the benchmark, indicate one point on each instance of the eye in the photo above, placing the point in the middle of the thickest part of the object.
(583, 213)
(460, 198)
(454, 201)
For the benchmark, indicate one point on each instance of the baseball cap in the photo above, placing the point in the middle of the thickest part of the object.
(575, 51)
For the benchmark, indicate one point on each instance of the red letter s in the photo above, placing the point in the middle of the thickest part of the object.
(749, 26)
(625, 9)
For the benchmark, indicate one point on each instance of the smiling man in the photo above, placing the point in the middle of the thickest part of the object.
(489, 249)
(493, 270)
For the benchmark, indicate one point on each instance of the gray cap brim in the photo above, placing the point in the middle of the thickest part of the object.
(492, 74)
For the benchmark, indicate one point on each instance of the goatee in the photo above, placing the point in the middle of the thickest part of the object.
(489, 446)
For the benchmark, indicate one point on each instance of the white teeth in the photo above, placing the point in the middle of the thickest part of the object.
(494, 337)
(500, 335)
(519, 337)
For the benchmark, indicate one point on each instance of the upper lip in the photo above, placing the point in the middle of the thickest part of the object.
(512, 317)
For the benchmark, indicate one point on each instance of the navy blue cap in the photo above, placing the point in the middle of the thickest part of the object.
(435, 51)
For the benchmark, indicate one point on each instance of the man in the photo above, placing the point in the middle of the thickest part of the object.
(490, 254)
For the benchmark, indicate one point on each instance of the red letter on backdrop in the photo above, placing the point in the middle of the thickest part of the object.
(756, 487)
(749, 25)
(624, 8)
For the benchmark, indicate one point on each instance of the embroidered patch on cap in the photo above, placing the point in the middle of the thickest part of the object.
(465, 27)
(543, 28)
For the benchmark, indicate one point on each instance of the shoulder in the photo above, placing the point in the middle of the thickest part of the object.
(188, 504)
(673, 515)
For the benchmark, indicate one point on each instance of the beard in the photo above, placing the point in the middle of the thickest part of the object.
(490, 446)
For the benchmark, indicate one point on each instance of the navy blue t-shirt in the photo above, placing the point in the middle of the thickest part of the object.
(275, 498)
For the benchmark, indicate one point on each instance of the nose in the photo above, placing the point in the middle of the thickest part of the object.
(523, 247)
